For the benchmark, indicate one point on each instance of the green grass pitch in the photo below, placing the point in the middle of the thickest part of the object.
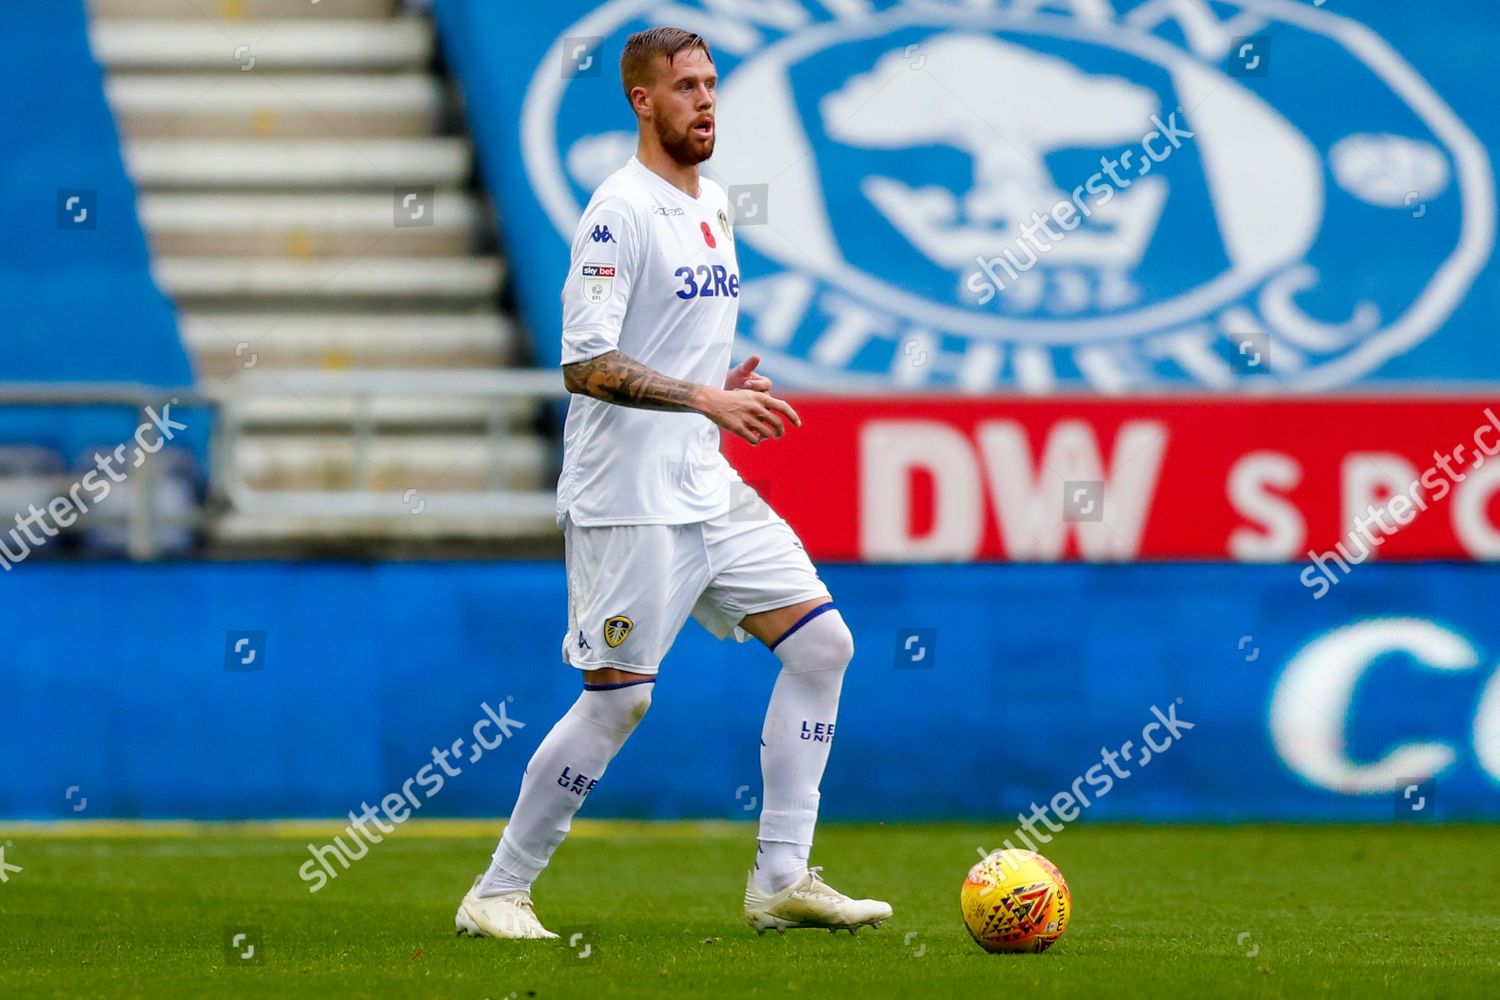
(653, 909)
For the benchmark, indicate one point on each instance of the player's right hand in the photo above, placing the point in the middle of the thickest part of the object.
(751, 414)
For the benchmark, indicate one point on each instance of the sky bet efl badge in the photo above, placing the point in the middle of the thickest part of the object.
(1117, 195)
(598, 282)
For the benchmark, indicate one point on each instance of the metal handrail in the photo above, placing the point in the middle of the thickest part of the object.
(522, 383)
(135, 394)
(226, 396)
(364, 387)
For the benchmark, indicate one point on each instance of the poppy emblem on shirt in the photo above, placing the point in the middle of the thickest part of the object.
(616, 629)
(708, 236)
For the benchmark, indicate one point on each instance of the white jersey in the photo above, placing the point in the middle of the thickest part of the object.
(653, 275)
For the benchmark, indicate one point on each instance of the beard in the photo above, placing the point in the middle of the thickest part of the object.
(683, 146)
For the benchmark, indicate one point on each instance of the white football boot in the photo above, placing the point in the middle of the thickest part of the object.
(508, 915)
(810, 902)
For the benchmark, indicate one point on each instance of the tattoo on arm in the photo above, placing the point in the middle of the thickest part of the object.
(617, 378)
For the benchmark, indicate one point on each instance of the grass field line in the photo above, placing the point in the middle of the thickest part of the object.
(301, 829)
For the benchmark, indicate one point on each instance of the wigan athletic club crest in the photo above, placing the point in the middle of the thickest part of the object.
(1115, 195)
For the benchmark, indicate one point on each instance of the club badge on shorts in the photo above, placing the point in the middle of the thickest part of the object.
(616, 628)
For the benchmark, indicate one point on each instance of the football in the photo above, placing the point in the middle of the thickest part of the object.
(1016, 901)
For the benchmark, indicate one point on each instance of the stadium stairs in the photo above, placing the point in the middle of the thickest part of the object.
(305, 185)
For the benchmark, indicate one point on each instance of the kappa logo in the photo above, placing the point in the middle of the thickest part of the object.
(616, 628)
(601, 234)
(1232, 207)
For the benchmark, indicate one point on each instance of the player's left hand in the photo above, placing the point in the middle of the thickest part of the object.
(744, 377)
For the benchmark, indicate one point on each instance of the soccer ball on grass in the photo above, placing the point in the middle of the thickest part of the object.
(1016, 901)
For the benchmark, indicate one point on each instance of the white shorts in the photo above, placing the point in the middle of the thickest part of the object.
(631, 587)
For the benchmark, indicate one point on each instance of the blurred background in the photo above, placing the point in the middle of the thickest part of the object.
(1146, 354)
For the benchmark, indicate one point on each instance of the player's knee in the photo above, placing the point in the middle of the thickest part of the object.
(840, 643)
(621, 708)
(641, 702)
(826, 644)
(632, 704)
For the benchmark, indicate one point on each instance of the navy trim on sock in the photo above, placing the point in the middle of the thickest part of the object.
(622, 684)
(815, 612)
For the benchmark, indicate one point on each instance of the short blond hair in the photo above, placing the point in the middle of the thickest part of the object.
(638, 61)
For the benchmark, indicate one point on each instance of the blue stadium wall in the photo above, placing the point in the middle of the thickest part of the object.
(76, 291)
(271, 690)
(78, 303)
(1337, 192)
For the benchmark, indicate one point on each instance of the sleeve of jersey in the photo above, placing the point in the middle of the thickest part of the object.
(599, 282)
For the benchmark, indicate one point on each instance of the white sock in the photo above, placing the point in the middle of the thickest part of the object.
(795, 741)
(561, 773)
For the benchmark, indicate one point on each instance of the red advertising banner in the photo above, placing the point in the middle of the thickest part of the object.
(1256, 480)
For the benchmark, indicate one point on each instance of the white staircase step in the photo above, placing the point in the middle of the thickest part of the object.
(375, 164)
(346, 341)
(356, 351)
(409, 396)
(267, 520)
(430, 462)
(399, 411)
(260, 46)
(291, 412)
(239, 10)
(275, 105)
(303, 226)
(454, 280)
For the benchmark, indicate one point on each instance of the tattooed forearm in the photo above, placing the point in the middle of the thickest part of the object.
(618, 378)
